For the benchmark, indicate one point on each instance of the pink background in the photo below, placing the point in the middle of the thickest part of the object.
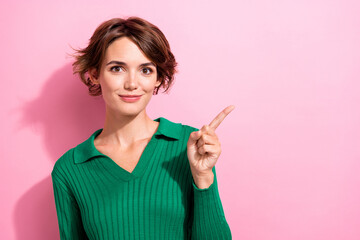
(290, 166)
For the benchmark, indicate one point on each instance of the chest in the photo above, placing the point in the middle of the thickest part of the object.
(158, 194)
(126, 158)
(153, 204)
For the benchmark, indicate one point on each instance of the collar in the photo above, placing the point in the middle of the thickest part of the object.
(86, 150)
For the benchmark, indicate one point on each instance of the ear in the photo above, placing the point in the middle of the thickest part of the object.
(158, 82)
(93, 75)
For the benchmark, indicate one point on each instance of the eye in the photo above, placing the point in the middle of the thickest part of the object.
(116, 69)
(146, 71)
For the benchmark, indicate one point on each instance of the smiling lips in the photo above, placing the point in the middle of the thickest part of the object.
(130, 98)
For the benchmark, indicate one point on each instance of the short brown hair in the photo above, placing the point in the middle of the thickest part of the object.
(145, 35)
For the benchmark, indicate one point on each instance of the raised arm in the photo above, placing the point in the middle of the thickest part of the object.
(203, 151)
(208, 215)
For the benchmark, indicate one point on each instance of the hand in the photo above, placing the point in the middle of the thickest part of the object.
(203, 150)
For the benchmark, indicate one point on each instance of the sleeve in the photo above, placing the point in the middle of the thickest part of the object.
(68, 213)
(208, 215)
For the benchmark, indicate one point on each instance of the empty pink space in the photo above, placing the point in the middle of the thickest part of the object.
(290, 161)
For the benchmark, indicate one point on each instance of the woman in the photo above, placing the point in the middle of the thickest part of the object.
(137, 178)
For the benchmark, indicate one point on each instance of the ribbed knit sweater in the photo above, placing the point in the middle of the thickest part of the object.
(97, 199)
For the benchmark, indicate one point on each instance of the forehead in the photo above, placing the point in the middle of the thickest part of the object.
(125, 50)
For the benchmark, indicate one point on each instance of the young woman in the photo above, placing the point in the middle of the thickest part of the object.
(137, 178)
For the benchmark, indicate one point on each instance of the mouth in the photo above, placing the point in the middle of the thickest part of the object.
(130, 98)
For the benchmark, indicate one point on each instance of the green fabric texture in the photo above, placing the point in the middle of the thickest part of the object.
(97, 199)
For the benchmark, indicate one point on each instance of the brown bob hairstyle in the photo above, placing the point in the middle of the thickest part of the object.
(145, 35)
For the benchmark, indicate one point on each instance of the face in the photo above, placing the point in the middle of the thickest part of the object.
(127, 78)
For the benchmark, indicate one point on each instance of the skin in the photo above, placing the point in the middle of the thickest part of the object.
(127, 129)
(125, 123)
(203, 150)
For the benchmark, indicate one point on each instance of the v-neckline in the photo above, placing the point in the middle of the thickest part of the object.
(141, 165)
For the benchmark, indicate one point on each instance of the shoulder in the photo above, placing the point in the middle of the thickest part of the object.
(172, 123)
(173, 129)
(63, 163)
(189, 129)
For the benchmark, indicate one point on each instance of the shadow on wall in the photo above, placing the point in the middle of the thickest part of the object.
(35, 214)
(67, 115)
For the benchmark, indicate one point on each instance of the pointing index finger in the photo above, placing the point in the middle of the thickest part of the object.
(221, 116)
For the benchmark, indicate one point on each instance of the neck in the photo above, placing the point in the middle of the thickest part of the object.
(125, 130)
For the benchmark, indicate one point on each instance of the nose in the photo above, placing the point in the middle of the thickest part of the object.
(131, 82)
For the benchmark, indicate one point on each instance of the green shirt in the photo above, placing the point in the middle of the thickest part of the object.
(97, 199)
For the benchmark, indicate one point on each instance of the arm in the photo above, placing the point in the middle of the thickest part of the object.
(203, 151)
(68, 213)
(208, 215)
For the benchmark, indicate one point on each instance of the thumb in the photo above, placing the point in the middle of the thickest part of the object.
(194, 136)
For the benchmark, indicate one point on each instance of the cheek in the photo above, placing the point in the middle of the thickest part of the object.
(110, 83)
(149, 84)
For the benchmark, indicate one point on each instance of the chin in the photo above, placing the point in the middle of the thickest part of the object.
(129, 111)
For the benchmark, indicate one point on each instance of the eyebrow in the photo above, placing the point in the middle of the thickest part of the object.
(123, 63)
